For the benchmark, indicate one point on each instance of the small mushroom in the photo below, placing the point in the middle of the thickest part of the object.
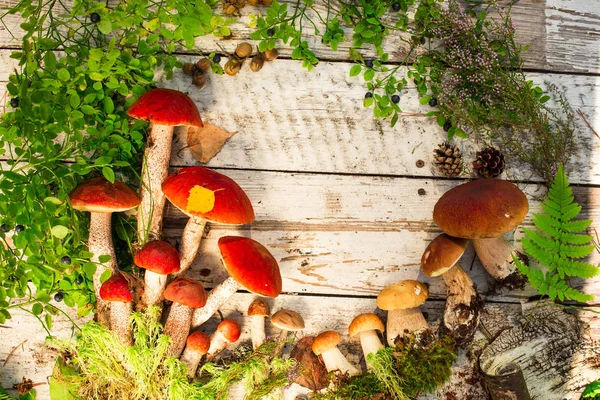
(366, 327)
(257, 311)
(250, 265)
(159, 259)
(402, 300)
(484, 210)
(196, 346)
(101, 198)
(205, 195)
(228, 331)
(325, 345)
(165, 109)
(287, 321)
(186, 295)
(116, 291)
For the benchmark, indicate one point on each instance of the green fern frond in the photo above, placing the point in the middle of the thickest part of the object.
(541, 241)
(544, 222)
(575, 238)
(576, 226)
(570, 251)
(552, 209)
(569, 212)
(536, 251)
(578, 268)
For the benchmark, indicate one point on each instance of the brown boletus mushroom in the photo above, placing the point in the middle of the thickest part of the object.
(312, 371)
(402, 300)
(228, 331)
(101, 198)
(205, 195)
(325, 345)
(116, 291)
(461, 315)
(250, 265)
(159, 259)
(196, 346)
(287, 321)
(483, 211)
(165, 109)
(366, 327)
(258, 311)
(186, 295)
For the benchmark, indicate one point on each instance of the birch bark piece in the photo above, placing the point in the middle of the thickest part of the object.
(506, 382)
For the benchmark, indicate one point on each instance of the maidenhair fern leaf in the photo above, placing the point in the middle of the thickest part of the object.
(558, 244)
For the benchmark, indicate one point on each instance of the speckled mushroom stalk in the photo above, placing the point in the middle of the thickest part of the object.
(116, 291)
(287, 321)
(325, 345)
(101, 198)
(228, 331)
(205, 195)
(250, 265)
(196, 347)
(366, 327)
(257, 312)
(165, 109)
(159, 259)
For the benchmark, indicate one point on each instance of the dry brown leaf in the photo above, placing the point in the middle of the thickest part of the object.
(313, 374)
(204, 143)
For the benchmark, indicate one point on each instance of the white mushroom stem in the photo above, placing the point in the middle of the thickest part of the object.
(120, 313)
(154, 171)
(495, 255)
(461, 315)
(154, 286)
(335, 360)
(281, 342)
(218, 343)
(216, 298)
(257, 330)
(100, 243)
(191, 359)
(370, 343)
(190, 243)
(177, 328)
(399, 321)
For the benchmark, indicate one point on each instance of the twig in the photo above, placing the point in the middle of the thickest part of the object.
(12, 352)
(580, 113)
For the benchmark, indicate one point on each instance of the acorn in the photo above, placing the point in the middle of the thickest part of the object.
(267, 2)
(257, 62)
(188, 69)
(243, 50)
(199, 79)
(232, 67)
(253, 2)
(203, 65)
(271, 54)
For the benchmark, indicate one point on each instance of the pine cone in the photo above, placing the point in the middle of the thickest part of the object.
(448, 159)
(489, 162)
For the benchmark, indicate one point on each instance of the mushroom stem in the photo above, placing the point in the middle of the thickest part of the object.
(461, 315)
(335, 360)
(100, 243)
(257, 330)
(154, 171)
(398, 321)
(495, 256)
(120, 312)
(191, 359)
(177, 328)
(216, 298)
(370, 343)
(218, 342)
(281, 342)
(153, 288)
(190, 243)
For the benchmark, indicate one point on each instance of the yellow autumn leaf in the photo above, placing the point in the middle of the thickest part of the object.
(201, 200)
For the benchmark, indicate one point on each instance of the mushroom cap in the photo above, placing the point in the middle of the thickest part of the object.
(365, 322)
(287, 320)
(116, 288)
(166, 107)
(230, 330)
(325, 341)
(251, 265)
(101, 196)
(441, 254)
(158, 256)
(187, 292)
(485, 208)
(199, 342)
(258, 307)
(402, 295)
(204, 193)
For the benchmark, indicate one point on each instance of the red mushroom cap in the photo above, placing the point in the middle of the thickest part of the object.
(116, 288)
(230, 330)
(204, 193)
(158, 256)
(199, 342)
(99, 195)
(187, 292)
(251, 265)
(166, 107)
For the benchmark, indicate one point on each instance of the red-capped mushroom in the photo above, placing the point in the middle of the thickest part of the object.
(186, 295)
(250, 265)
(116, 290)
(196, 346)
(228, 331)
(165, 109)
(101, 198)
(159, 259)
(205, 195)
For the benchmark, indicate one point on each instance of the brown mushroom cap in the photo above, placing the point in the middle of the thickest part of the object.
(402, 295)
(365, 322)
(325, 341)
(485, 208)
(198, 342)
(258, 307)
(158, 256)
(187, 292)
(116, 288)
(288, 320)
(441, 254)
(101, 196)
(166, 107)
(251, 265)
(230, 330)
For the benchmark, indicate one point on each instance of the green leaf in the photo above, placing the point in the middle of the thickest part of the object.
(60, 231)
(369, 75)
(88, 110)
(37, 309)
(104, 26)
(355, 70)
(109, 174)
(63, 74)
(104, 258)
(424, 100)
